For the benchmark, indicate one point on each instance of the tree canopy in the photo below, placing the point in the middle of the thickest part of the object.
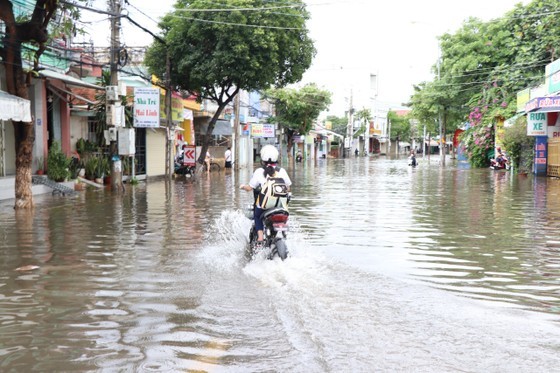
(215, 54)
(484, 64)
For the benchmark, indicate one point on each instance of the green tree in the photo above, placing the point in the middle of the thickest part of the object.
(296, 110)
(33, 32)
(482, 67)
(400, 126)
(364, 116)
(339, 124)
(219, 53)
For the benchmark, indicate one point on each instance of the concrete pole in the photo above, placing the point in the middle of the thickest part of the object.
(169, 169)
(236, 124)
(116, 164)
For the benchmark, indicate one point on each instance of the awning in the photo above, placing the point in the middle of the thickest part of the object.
(431, 143)
(55, 88)
(404, 144)
(14, 108)
(70, 80)
(543, 104)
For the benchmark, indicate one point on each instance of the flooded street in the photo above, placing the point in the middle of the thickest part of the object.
(391, 269)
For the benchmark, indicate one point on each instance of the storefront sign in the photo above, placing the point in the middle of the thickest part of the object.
(540, 155)
(537, 124)
(263, 130)
(551, 103)
(146, 107)
(522, 98)
(552, 76)
(176, 110)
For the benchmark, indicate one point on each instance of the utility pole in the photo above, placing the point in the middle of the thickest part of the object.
(169, 130)
(349, 128)
(116, 165)
(236, 137)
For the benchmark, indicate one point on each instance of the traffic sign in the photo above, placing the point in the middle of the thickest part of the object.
(189, 158)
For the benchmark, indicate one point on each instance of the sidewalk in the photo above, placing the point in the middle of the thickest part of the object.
(7, 188)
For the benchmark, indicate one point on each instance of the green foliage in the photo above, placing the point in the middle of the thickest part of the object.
(400, 126)
(103, 167)
(519, 146)
(297, 109)
(91, 166)
(57, 163)
(339, 124)
(212, 56)
(364, 116)
(224, 52)
(484, 64)
(479, 143)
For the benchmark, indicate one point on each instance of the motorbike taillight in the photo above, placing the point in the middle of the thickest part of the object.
(278, 218)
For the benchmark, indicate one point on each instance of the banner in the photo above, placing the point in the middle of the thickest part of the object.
(263, 130)
(146, 107)
(536, 124)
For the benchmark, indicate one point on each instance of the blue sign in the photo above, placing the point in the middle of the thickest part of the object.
(540, 155)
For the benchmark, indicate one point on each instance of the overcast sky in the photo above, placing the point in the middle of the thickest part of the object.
(394, 40)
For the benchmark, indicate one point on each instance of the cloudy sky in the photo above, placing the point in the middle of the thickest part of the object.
(394, 40)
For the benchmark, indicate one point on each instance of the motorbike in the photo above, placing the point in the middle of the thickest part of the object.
(499, 164)
(275, 222)
(299, 157)
(183, 169)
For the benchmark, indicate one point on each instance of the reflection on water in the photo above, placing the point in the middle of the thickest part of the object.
(384, 259)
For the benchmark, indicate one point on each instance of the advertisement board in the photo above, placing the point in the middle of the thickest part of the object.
(537, 124)
(263, 130)
(146, 107)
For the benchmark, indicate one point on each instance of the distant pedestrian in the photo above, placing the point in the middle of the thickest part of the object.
(208, 160)
(227, 156)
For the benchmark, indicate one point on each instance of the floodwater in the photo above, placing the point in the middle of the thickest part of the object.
(391, 269)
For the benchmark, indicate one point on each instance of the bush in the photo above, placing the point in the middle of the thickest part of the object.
(479, 143)
(519, 146)
(57, 163)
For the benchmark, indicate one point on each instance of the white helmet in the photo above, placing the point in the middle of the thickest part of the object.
(269, 154)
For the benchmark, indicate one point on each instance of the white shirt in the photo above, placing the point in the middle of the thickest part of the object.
(259, 177)
(228, 155)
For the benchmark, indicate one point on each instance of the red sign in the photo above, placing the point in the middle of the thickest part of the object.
(189, 158)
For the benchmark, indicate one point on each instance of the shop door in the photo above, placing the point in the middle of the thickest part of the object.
(553, 161)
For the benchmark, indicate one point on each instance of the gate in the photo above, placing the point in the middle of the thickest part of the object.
(553, 161)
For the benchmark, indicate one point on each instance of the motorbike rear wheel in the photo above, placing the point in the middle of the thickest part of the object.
(280, 248)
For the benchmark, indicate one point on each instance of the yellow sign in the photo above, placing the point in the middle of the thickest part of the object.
(176, 109)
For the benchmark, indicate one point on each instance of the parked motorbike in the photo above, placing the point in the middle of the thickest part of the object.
(183, 169)
(275, 222)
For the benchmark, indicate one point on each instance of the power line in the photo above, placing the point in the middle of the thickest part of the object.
(235, 24)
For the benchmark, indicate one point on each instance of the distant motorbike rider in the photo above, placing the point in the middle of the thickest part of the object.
(500, 161)
(261, 176)
(412, 159)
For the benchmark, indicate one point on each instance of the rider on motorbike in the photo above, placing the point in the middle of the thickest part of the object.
(269, 169)
(500, 161)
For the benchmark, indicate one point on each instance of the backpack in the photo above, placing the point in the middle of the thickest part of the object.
(274, 193)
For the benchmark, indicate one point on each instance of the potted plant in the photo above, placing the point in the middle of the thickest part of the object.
(91, 167)
(57, 163)
(40, 165)
(102, 169)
